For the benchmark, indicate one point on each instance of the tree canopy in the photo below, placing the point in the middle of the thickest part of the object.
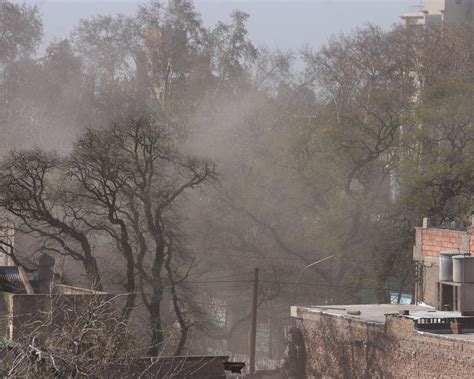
(163, 156)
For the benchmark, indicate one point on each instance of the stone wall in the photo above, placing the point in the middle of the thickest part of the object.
(340, 347)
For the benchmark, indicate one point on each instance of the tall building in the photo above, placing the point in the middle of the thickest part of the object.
(439, 11)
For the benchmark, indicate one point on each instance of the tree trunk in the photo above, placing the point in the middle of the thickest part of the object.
(183, 326)
(92, 271)
(155, 319)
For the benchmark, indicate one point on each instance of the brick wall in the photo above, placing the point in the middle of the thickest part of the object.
(339, 347)
(433, 241)
(429, 243)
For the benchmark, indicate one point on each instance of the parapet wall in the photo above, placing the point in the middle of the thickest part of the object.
(339, 347)
(431, 242)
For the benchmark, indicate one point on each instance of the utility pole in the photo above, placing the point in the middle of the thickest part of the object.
(253, 329)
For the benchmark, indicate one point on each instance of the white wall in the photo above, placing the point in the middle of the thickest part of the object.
(434, 6)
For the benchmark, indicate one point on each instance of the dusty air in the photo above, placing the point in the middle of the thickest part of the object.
(215, 189)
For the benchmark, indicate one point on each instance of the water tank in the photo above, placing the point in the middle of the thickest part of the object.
(446, 265)
(463, 269)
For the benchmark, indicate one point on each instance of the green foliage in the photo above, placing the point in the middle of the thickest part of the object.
(343, 159)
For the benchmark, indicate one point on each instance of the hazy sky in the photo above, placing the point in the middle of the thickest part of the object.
(276, 23)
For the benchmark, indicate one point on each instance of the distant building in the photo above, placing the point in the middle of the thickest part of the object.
(433, 12)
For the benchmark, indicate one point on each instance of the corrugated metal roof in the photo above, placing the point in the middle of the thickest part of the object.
(10, 280)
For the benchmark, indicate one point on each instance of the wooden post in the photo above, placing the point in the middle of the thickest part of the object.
(253, 329)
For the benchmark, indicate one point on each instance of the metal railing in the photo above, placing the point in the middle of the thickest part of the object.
(415, 8)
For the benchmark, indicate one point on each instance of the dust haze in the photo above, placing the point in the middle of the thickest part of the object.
(164, 159)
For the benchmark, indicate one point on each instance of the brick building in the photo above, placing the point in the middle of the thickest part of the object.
(429, 244)
(432, 340)
(376, 341)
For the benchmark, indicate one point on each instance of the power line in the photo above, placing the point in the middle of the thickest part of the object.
(246, 256)
(324, 285)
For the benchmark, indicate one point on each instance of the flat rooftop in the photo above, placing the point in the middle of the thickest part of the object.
(374, 313)
(419, 14)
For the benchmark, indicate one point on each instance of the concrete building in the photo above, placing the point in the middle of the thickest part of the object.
(433, 12)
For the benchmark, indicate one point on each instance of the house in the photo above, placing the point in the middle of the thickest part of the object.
(432, 339)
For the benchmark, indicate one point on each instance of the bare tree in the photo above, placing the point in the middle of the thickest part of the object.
(42, 205)
(136, 177)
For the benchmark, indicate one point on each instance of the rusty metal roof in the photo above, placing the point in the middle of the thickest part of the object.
(10, 280)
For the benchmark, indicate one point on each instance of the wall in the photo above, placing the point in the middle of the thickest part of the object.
(70, 312)
(433, 6)
(343, 348)
(433, 241)
(429, 243)
(40, 315)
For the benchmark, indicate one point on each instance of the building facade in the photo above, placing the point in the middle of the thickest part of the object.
(383, 341)
(429, 244)
(433, 12)
(432, 339)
